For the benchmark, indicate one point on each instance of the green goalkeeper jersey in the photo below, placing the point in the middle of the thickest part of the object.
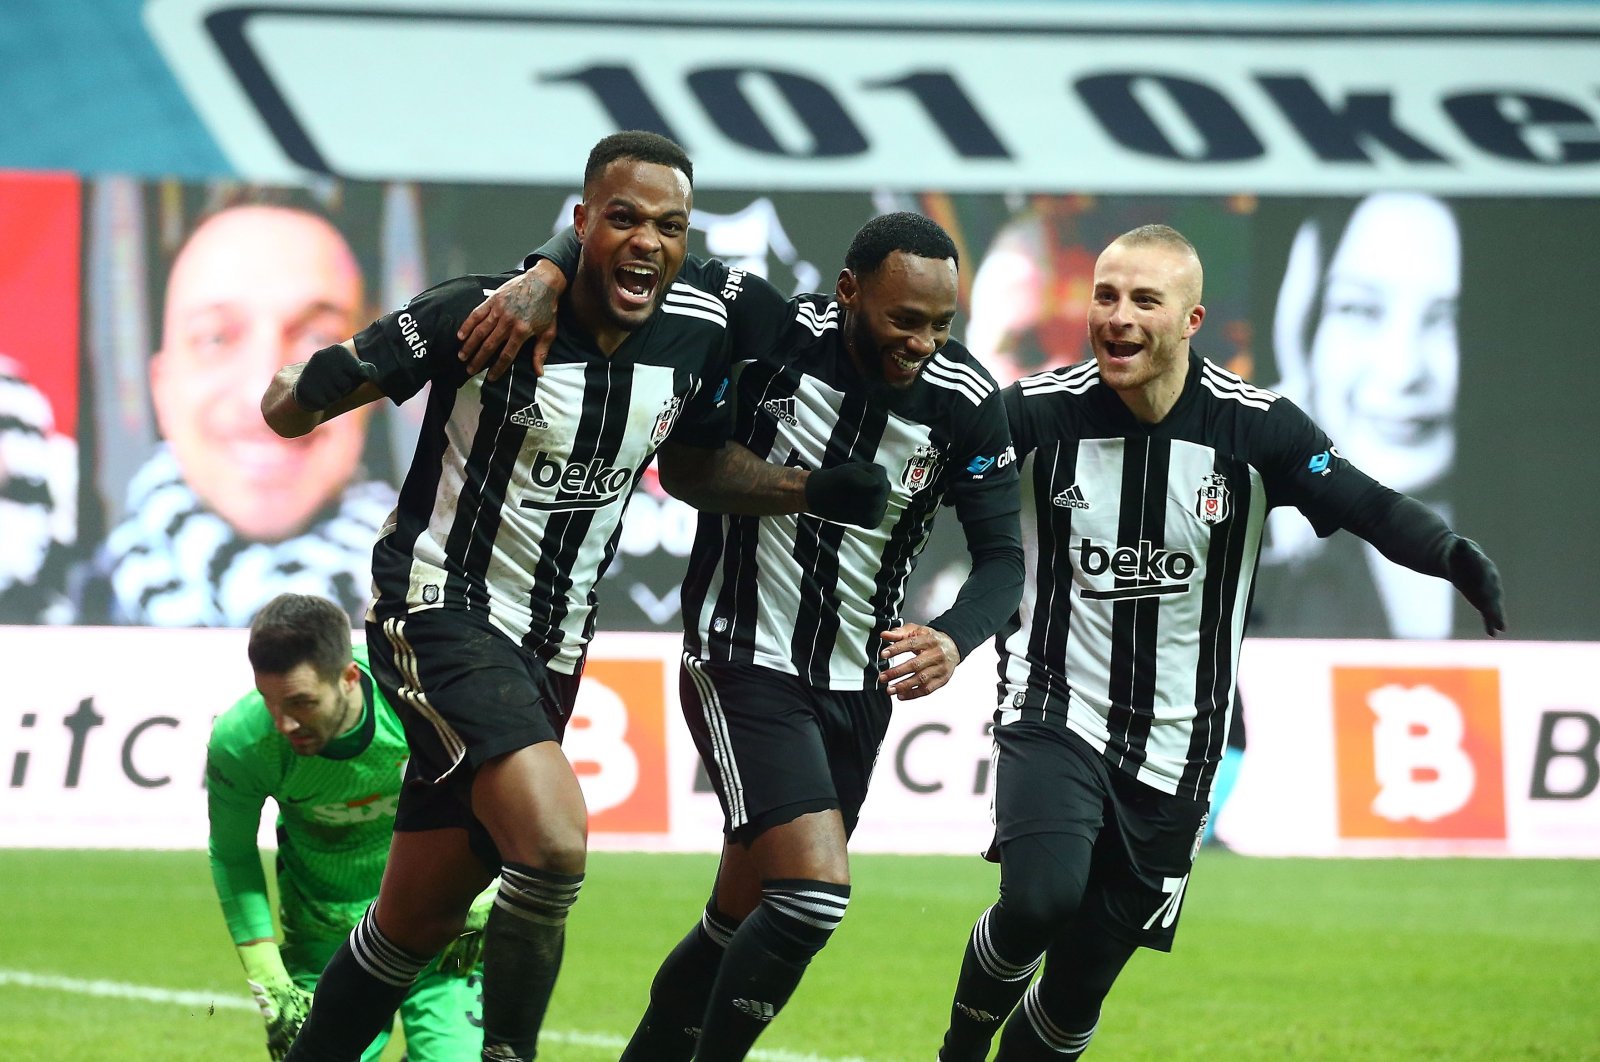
(335, 816)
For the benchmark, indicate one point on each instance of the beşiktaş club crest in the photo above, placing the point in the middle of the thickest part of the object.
(921, 467)
(666, 419)
(1212, 501)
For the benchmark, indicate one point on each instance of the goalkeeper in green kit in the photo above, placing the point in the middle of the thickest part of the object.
(319, 739)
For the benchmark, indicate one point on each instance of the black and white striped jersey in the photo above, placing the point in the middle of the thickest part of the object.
(514, 500)
(1147, 538)
(808, 597)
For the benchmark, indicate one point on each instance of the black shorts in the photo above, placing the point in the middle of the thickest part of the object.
(777, 748)
(465, 693)
(1048, 780)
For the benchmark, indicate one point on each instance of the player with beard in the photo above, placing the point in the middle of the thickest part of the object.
(794, 651)
(485, 576)
(318, 737)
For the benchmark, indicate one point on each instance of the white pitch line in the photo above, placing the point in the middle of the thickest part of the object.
(122, 990)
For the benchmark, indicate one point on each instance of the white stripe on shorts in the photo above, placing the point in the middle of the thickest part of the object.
(405, 659)
(721, 744)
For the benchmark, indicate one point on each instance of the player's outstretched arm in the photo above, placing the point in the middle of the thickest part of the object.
(1413, 535)
(733, 479)
(333, 381)
(521, 309)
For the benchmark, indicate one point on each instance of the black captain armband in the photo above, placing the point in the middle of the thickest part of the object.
(331, 374)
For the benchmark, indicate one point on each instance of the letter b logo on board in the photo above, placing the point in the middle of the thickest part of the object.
(1419, 753)
(617, 743)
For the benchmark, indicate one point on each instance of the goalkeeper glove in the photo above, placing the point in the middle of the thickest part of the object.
(331, 374)
(855, 493)
(1474, 574)
(460, 957)
(284, 1004)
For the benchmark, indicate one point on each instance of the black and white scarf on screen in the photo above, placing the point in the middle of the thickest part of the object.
(38, 503)
(174, 563)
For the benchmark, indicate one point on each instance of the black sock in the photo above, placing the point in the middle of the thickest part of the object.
(1032, 1035)
(356, 996)
(678, 995)
(999, 962)
(522, 944)
(765, 961)
(1061, 1010)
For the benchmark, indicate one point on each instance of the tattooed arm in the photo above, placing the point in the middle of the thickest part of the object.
(732, 479)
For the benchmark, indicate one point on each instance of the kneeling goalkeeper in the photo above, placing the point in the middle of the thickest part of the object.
(318, 737)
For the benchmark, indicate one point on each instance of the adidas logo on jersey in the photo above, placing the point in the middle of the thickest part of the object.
(756, 1009)
(1071, 498)
(529, 416)
(783, 409)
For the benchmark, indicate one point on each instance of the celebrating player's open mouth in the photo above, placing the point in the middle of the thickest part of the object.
(636, 284)
(1122, 351)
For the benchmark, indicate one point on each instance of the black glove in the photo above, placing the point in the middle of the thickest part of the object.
(331, 374)
(1474, 574)
(855, 493)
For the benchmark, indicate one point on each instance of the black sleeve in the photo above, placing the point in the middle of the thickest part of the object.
(562, 249)
(758, 313)
(993, 588)
(707, 418)
(417, 343)
(987, 495)
(1019, 417)
(983, 459)
(1404, 530)
(1301, 467)
(1304, 469)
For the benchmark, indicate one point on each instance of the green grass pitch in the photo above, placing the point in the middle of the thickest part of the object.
(1302, 959)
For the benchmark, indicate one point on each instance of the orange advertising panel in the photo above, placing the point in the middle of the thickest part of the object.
(1419, 752)
(617, 742)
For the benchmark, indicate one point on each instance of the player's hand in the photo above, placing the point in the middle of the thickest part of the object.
(523, 308)
(284, 1009)
(460, 957)
(933, 660)
(854, 493)
(330, 375)
(283, 1004)
(1475, 575)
